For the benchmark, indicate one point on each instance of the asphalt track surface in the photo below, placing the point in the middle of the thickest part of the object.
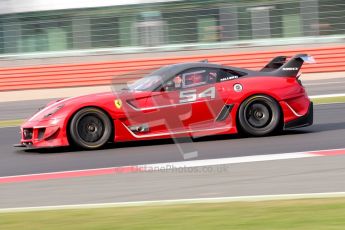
(326, 133)
(295, 176)
(324, 174)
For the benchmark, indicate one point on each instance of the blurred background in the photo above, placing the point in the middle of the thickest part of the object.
(39, 26)
(38, 32)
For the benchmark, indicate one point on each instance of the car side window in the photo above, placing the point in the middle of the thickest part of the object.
(195, 77)
(192, 78)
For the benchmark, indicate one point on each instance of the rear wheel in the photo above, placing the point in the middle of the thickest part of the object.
(259, 115)
(90, 128)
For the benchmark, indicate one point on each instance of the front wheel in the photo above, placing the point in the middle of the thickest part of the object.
(259, 115)
(90, 128)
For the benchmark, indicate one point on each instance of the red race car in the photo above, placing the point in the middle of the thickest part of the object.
(180, 100)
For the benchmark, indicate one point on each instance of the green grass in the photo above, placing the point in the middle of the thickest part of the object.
(10, 123)
(328, 100)
(306, 214)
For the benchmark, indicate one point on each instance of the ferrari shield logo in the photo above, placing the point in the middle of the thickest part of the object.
(118, 103)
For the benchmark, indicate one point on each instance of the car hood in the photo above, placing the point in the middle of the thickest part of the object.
(56, 108)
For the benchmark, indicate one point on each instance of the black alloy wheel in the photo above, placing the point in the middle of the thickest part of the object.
(259, 115)
(90, 128)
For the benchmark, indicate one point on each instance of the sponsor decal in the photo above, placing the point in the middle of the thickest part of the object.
(228, 78)
(192, 95)
(238, 88)
(118, 103)
(290, 68)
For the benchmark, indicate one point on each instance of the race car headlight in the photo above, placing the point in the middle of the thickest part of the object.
(52, 112)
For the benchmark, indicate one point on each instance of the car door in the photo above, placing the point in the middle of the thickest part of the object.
(192, 103)
(206, 98)
(159, 112)
(188, 102)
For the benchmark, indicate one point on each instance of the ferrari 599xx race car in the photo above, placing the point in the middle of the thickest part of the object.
(181, 100)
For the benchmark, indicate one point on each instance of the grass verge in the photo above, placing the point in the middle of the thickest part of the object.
(328, 100)
(11, 123)
(303, 214)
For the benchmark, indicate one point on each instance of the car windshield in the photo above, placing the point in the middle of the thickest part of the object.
(150, 81)
(147, 83)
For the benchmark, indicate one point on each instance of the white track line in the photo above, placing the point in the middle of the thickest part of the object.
(193, 163)
(225, 161)
(168, 166)
(237, 160)
(179, 202)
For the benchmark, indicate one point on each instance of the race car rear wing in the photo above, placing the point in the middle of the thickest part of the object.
(274, 64)
(279, 67)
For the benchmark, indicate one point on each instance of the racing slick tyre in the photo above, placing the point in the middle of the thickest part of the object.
(259, 115)
(90, 128)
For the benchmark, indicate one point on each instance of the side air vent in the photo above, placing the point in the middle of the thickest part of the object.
(224, 113)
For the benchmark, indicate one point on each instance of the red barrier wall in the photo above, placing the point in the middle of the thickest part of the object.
(328, 59)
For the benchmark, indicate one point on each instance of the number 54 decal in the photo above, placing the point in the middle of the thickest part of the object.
(192, 95)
